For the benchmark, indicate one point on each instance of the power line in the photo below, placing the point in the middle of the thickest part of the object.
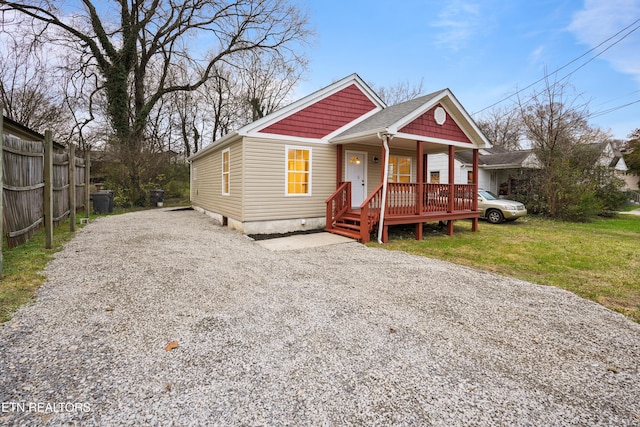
(617, 98)
(603, 51)
(612, 109)
(571, 62)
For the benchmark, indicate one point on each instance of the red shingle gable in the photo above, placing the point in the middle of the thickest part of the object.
(325, 116)
(426, 125)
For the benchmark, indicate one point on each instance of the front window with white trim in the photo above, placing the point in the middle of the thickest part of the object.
(399, 169)
(298, 176)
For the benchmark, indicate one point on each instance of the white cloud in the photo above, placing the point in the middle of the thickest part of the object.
(536, 55)
(599, 20)
(457, 22)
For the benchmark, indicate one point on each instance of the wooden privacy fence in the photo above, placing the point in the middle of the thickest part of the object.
(66, 176)
(23, 184)
(39, 184)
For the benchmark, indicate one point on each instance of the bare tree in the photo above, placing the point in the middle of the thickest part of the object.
(28, 87)
(269, 78)
(84, 101)
(555, 122)
(224, 95)
(189, 110)
(155, 37)
(399, 92)
(503, 127)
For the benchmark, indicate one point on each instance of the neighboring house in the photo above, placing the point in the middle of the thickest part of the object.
(500, 171)
(631, 180)
(498, 168)
(321, 161)
(13, 128)
(609, 156)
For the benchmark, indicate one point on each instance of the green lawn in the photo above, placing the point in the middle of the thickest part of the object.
(599, 260)
(22, 268)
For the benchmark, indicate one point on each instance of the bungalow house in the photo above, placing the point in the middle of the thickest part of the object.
(334, 159)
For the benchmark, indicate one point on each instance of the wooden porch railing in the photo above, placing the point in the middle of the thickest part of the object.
(402, 198)
(338, 203)
(436, 198)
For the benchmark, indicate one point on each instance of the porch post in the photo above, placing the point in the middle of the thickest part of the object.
(339, 157)
(474, 200)
(452, 180)
(420, 176)
(452, 175)
(420, 194)
(425, 167)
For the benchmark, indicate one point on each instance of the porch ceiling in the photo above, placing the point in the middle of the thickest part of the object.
(405, 143)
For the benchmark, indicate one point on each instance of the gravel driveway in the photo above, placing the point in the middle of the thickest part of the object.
(337, 335)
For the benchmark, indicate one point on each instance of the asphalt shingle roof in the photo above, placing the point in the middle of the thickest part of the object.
(389, 115)
(498, 156)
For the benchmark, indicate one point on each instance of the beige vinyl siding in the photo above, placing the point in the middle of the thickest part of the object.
(207, 185)
(265, 176)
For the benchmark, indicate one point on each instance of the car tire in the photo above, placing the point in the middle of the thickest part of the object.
(494, 216)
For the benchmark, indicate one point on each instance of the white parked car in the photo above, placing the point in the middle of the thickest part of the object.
(496, 210)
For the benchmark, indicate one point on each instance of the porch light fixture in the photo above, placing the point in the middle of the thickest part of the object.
(355, 159)
(375, 159)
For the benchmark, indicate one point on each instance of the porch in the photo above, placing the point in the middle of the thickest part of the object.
(406, 203)
(406, 193)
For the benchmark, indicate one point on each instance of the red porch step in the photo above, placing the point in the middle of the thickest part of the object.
(347, 225)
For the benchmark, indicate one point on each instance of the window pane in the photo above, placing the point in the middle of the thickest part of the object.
(298, 170)
(225, 161)
(405, 166)
(225, 172)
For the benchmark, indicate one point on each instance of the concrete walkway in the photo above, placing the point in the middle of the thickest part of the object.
(633, 212)
(302, 241)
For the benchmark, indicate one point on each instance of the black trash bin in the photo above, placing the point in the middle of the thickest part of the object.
(102, 201)
(111, 193)
(156, 198)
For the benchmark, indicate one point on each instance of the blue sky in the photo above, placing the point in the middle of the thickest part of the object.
(483, 50)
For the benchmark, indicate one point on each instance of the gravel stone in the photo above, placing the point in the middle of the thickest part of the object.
(336, 335)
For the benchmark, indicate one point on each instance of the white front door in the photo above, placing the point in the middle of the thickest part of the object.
(357, 174)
